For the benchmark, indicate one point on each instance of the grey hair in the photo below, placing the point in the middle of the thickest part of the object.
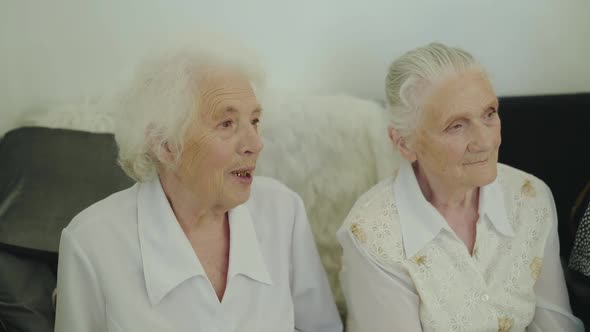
(411, 75)
(161, 101)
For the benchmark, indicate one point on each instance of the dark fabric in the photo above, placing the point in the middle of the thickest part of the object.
(580, 208)
(26, 286)
(548, 137)
(580, 256)
(47, 176)
(578, 271)
(579, 291)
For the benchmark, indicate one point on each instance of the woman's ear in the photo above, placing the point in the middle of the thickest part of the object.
(401, 144)
(158, 148)
(168, 154)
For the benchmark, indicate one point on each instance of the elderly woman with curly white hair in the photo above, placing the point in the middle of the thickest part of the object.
(198, 243)
(453, 241)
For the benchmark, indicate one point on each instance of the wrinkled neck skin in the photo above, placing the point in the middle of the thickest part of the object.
(443, 197)
(192, 212)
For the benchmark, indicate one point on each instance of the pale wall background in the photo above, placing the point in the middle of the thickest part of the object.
(62, 50)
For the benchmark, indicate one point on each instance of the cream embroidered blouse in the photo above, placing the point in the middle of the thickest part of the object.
(404, 269)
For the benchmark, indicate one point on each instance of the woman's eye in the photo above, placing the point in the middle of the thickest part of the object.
(255, 122)
(491, 113)
(226, 124)
(455, 126)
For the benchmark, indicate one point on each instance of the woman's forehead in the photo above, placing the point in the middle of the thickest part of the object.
(226, 95)
(239, 109)
(462, 93)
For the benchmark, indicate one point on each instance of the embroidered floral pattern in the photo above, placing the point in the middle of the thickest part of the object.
(459, 292)
(472, 299)
(381, 230)
(358, 233)
(419, 260)
(380, 253)
(527, 189)
(536, 266)
(459, 323)
(505, 324)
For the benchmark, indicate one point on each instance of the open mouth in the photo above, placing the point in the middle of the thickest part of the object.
(244, 173)
(241, 174)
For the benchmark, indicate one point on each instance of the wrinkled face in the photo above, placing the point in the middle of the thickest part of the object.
(458, 138)
(220, 153)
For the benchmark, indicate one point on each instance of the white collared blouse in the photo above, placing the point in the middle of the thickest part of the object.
(404, 269)
(125, 265)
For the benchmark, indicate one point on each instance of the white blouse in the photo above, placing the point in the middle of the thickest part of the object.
(125, 265)
(404, 269)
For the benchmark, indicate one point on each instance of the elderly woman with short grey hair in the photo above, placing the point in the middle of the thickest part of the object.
(453, 241)
(198, 243)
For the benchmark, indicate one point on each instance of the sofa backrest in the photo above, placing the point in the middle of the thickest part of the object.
(548, 136)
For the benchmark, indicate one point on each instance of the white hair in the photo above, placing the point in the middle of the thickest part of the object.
(160, 103)
(412, 74)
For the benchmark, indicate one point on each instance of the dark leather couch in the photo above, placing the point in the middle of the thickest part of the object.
(549, 137)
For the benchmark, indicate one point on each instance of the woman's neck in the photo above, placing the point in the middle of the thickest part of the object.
(192, 212)
(459, 206)
(444, 197)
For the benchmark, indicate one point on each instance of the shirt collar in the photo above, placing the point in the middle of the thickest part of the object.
(420, 222)
(245, 255)
(491, 204)
(167, 255)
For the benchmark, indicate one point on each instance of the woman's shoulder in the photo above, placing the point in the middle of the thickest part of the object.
(373, 222)
(528, 201)
(520, 184)
(270, 197)
(275, 209)
(380, 196)
(104, 214)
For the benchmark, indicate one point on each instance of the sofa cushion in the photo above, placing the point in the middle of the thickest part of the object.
(47, 176)
(26, 286)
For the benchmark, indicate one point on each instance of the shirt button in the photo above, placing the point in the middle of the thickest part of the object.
(485, 298)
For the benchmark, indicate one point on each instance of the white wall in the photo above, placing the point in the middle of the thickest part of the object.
(64, 49)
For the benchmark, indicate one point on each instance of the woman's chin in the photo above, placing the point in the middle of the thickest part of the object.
(236, 196)
(486, 175)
